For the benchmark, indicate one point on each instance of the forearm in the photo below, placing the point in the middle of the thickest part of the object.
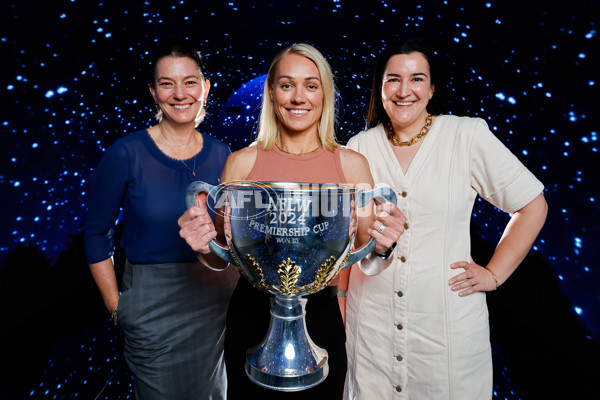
(342, 279)
(106, 280)
(518, 237)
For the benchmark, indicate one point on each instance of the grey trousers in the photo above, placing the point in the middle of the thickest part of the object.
(173, 319)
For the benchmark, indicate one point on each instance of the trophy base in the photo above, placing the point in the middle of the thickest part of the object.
(287, 383)
(287, 360)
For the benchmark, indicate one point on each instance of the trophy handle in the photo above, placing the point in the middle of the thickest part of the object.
(190, 200)
(362, 198)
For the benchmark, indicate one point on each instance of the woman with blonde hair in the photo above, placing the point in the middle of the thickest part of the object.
(295, 143)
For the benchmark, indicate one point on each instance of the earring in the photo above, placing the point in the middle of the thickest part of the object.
(159, 114)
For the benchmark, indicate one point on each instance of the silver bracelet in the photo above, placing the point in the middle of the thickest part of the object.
(341, 293)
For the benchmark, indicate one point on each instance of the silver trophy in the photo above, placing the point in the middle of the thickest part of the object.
(289, 240)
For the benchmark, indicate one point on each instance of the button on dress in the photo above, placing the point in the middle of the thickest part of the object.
(408, 335)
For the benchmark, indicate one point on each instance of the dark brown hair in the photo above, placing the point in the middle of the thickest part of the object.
(376, 113)
(175, 48)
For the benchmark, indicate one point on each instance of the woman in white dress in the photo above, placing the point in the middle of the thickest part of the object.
(420, 330)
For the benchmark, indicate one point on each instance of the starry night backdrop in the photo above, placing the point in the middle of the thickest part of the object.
(74, 80)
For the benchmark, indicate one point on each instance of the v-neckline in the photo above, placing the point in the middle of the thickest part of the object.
(415, 164)
(412, 159)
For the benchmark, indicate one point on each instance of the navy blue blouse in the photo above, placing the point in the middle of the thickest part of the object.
(150, 187)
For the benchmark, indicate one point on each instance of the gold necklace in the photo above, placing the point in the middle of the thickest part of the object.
(424, 130)
(300, 154)
(192, 170)
(167, 140)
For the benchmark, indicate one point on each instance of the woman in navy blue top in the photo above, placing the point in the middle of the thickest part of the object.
(172, 307)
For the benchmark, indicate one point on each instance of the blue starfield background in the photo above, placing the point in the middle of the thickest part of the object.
(74, 79)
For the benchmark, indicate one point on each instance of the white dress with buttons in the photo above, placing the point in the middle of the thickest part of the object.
(408, 335)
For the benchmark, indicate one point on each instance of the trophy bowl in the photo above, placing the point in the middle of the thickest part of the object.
(289, 240)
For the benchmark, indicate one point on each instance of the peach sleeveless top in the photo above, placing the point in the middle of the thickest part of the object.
(274, 165)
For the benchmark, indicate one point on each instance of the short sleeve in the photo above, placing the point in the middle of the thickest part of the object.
(497, 174)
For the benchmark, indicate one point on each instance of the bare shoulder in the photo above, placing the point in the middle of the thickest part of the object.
(355, 167)
(239, 164)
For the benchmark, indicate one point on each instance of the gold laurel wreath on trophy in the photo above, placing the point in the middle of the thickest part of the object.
(289, 273)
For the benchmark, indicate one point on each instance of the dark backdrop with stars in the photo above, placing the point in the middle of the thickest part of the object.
(74, 79)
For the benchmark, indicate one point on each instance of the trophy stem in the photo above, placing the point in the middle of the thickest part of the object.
(287, 360)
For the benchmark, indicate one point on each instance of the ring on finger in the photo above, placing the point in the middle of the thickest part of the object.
(381, 228)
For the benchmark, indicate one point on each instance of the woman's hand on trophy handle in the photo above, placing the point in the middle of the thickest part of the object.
(196, 226)
(387, 226)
